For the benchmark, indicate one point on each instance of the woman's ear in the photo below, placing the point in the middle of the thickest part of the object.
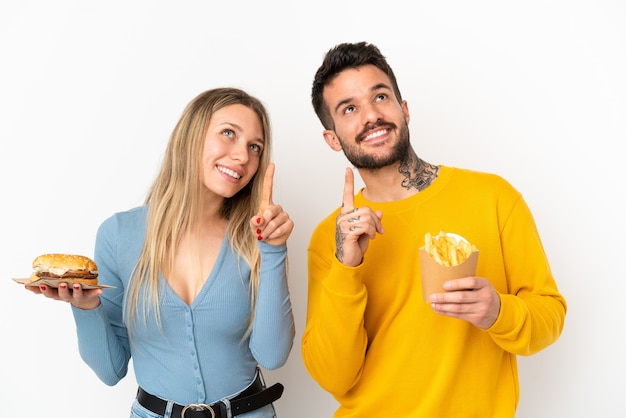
(331, 139)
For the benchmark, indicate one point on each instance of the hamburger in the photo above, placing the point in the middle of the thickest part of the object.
(70, 267)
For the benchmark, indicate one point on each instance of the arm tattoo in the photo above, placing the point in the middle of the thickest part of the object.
(339, 240)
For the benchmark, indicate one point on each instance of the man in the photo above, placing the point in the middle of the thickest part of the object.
(370, 339)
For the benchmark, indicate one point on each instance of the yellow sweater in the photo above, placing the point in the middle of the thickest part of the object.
(380, 350)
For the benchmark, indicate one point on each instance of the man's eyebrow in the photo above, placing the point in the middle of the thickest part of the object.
(380, 86)
(341, 103)
(376, 87)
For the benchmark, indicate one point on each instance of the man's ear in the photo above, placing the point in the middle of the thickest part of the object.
(405, 111)
(331, 139)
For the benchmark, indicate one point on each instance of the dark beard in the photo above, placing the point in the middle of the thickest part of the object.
(374, 162)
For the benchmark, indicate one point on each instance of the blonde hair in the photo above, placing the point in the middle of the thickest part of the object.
(174, 202)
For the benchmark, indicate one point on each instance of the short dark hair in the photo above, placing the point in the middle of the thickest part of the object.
(340, 58)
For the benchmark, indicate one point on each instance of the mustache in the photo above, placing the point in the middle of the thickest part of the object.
(378, 124)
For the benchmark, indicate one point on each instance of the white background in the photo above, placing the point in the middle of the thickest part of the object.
(533, 90)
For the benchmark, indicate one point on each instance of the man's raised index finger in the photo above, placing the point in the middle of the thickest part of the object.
(348, 192)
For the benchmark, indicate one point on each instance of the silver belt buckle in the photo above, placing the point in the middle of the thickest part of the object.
(198, 407)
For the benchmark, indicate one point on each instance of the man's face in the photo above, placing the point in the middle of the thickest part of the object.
(371, 127)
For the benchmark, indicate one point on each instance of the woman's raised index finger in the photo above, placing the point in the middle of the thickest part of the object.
(268, 184)
(347, 204)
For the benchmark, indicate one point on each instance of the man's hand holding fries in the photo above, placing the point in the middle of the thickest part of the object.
(471, 298)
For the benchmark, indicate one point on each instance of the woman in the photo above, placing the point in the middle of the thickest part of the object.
(200, 297)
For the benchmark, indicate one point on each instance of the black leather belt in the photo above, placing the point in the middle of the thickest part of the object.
(250, 399)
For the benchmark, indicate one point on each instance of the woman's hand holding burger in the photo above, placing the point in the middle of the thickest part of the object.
(76, 269)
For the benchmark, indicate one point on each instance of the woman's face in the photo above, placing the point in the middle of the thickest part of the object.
(232, 149)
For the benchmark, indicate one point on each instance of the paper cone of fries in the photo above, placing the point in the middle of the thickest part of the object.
(444, 257)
